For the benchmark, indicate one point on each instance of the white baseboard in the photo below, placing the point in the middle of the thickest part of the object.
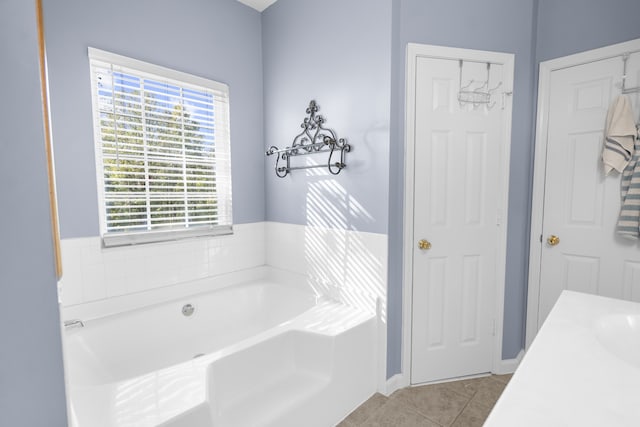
(509, 366)
(399, 381)
(394, 383)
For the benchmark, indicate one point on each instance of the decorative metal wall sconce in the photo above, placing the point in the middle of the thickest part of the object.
(313, 139)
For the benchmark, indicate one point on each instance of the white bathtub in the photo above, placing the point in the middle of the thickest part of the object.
(256, 354)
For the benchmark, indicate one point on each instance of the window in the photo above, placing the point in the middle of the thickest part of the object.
(162, 151)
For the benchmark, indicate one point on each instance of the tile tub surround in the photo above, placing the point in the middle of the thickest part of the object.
(350, 266)
(574, 373)
(346, 265)
(464, 403)
(93, 273)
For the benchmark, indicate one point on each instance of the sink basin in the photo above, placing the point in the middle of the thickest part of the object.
(620, 335)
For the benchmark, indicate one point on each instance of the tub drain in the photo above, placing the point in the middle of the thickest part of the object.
(188, 309)
(198, 355)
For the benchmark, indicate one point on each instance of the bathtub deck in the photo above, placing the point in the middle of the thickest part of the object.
(259, 381)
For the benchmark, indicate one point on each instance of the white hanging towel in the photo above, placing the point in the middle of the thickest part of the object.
(620, 133)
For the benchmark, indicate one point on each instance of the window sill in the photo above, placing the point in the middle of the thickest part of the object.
(127, 239)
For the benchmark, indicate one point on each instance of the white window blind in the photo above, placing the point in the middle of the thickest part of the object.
(162, 151)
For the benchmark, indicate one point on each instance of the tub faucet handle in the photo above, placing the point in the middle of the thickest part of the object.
(73, 323)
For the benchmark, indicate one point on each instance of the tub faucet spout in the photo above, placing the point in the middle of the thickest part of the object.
(74, 323)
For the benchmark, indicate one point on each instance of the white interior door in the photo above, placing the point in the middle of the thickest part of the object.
(458, 193)
(581, 205)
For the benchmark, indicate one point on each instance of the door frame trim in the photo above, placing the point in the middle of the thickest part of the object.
(539, 165)
(413, 52)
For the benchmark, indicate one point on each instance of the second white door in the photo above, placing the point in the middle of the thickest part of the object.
(580, 249)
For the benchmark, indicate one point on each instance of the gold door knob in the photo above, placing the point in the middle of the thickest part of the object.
(424, 244)
(553, 240)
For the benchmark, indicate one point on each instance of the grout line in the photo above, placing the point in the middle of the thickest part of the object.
(489, 407)
(415, 410)
(461, 411)
(418, 411)
(465, 406)
(378, 409)
(500, 380)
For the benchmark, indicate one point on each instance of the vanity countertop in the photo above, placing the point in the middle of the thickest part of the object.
(582, 369)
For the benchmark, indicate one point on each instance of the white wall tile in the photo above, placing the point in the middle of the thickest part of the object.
(94, 282)
(347, 265)
(93, 273)
(72, 272)
(285, 246)
(91, 252)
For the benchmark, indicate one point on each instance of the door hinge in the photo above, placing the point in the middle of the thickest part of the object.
(504, 98)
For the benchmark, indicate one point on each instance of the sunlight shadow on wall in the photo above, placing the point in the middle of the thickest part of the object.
(344, 264)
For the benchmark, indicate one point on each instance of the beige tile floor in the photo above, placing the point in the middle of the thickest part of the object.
(464, 403)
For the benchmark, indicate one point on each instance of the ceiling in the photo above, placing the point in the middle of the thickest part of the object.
(258, 5)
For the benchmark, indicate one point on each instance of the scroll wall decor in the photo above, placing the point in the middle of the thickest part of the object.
(314, 139)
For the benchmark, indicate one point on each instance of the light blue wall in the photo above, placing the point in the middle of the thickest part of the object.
(216, 39)
(338, 53)
(31, 375)
(396, 197)
(571, 26)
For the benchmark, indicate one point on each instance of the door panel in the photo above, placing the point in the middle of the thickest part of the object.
(457, 171)
(581, 205)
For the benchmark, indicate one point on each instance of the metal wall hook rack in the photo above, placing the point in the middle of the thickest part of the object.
(313, 139)
(625, 58)
(481, 95)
